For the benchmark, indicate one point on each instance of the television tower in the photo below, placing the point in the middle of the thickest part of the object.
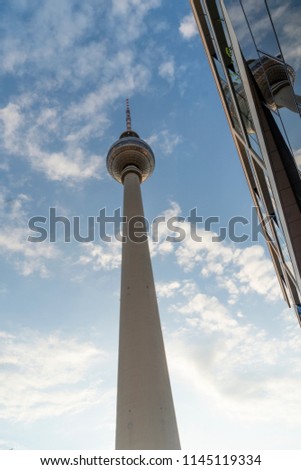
(145, 411)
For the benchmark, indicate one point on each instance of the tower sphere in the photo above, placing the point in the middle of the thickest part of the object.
(130, 153)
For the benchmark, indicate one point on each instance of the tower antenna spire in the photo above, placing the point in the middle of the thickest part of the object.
(128, 116)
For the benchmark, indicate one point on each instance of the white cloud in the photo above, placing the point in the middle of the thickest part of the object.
(47, 375)
(24, 133)
(106, 256)
(256, 273)
(56, 50)
(46, 43)
(130, 17)
(247, 372)
(27, 257)
(157, 243)
(188, 27)
(127, 7)
(239, 270)
(165, 141)
(4, 166)
(167, 70)
(70, 166)
(124, 77)
(211, 314)
(167, 289)
(188, 288)
(11, 118)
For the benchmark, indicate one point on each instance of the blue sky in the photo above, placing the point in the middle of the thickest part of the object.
(233, 346)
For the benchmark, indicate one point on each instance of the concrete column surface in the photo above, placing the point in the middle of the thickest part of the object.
(145, 411)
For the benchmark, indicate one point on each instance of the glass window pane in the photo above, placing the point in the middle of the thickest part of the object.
(261, 26)
(219, 69)
(255, 145)
(231, 107)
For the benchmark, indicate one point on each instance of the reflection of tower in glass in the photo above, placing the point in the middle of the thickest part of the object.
(252, 93)
(274, 80)
(145, 411)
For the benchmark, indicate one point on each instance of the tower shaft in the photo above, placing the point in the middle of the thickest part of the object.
(145, 411)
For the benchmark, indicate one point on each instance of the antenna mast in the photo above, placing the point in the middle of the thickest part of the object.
(128, 116)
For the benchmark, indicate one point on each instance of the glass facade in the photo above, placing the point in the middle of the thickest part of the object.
(250, 49)
(267, 31)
